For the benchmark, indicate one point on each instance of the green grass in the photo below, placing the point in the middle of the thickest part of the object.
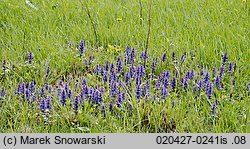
(203, 29)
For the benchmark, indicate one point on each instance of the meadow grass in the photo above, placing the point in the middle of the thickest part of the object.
(201, 29)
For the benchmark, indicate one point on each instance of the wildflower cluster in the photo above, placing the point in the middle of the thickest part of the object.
(126, 83)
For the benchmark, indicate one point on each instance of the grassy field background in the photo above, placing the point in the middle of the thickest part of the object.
(201, 29)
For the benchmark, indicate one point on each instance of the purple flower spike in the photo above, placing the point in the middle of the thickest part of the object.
(222, 69)
(2, 93)
(131, 71)
(102, 110)
(182, 81)
(209, 90)
(97, 68)
(167, 74)
(230, 67)
(217, 82)
(142, 71)
(183, 57)
(101, 70)
(63, 97)
(127, 55)
(185, 84)
(106, 66)
(69, 93)
(81, 48)
(119, 64)
(224, 58)
(127, 78)
(233, 82)
(164, 56)
(22, 88)
(26, 86)
(99, 97)
(144, 55)
(111, 106)
(84, 82)
(173, 83)
(34, 97)
(28, 94)
(138, 71)
(75, 107)
(113, 77)
(166, 82)
(132, 55)
(41, 92)
(191, 75)
(138, 93)
(119, 100)
(47, 103)
(47, 87)
(138, 81)
(42, 105)
(30, 57)
(113, 88)
(32, 86)
(112, 69)
(47, 71)
(84, 87)
(105, 77)
(164, 92)
(206, 78)
(158, 83)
